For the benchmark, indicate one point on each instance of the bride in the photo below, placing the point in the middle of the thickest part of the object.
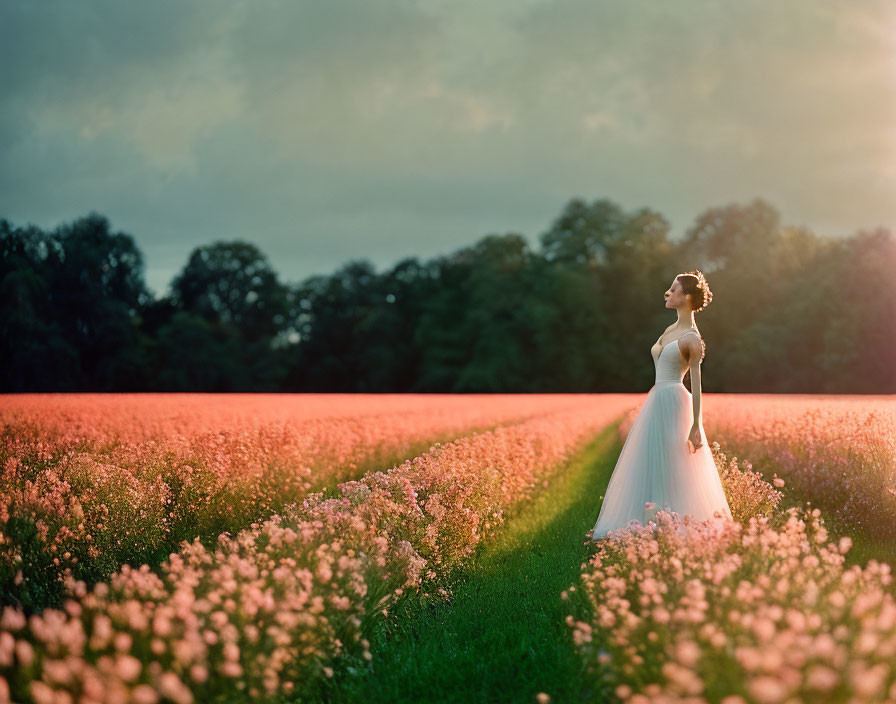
(665, 461)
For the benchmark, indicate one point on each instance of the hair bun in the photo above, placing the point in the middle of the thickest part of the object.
(701, 295)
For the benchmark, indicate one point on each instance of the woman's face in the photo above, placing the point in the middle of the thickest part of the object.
(675, 297)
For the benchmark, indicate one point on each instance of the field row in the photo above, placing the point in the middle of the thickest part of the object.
(267, 610)
(104, 419)
(92, 482)
(838, 452)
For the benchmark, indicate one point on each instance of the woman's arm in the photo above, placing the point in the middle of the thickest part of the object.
(694, 351)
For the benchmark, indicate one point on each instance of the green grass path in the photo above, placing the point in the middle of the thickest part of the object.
(503, 637)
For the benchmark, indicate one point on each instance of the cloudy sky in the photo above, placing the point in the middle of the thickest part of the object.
(337, 129)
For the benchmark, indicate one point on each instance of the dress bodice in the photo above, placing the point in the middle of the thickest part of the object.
(670, 365)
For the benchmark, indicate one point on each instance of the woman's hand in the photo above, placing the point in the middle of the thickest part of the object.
(694, 438)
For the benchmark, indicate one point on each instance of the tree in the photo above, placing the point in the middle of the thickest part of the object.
(196, 355)
(96, 291)
(232, 283)
(337, 329)
(582, 232)
(35, 352)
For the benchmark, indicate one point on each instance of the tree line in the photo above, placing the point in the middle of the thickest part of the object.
(793, 311)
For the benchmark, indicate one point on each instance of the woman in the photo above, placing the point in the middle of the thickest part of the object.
(665, 461)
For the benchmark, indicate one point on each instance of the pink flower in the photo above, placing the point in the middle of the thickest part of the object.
(24, 652)
(768, 690)
(687, 652)
(144, 694)
(128, 667)
(171, 687)
(822, 678)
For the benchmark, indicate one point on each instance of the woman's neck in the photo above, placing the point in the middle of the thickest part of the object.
(685, 320)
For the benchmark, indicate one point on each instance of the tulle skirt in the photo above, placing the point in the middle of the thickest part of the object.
(656, 466)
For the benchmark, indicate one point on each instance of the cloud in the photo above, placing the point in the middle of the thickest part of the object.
(349, 128)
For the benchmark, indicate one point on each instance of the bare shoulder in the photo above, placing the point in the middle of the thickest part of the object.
(692, 345)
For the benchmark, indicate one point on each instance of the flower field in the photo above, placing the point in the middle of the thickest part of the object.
(736, 614)
(245, 548)
(268, 609)
(839, 452)
(762, 608)
(93, 482)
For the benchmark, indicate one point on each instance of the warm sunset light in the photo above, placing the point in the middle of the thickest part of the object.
(535, 352)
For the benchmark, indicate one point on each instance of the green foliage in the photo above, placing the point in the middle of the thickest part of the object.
(793, 311)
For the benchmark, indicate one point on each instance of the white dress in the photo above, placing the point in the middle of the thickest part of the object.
(656, 464)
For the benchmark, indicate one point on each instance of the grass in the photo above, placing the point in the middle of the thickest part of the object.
(503, 636)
